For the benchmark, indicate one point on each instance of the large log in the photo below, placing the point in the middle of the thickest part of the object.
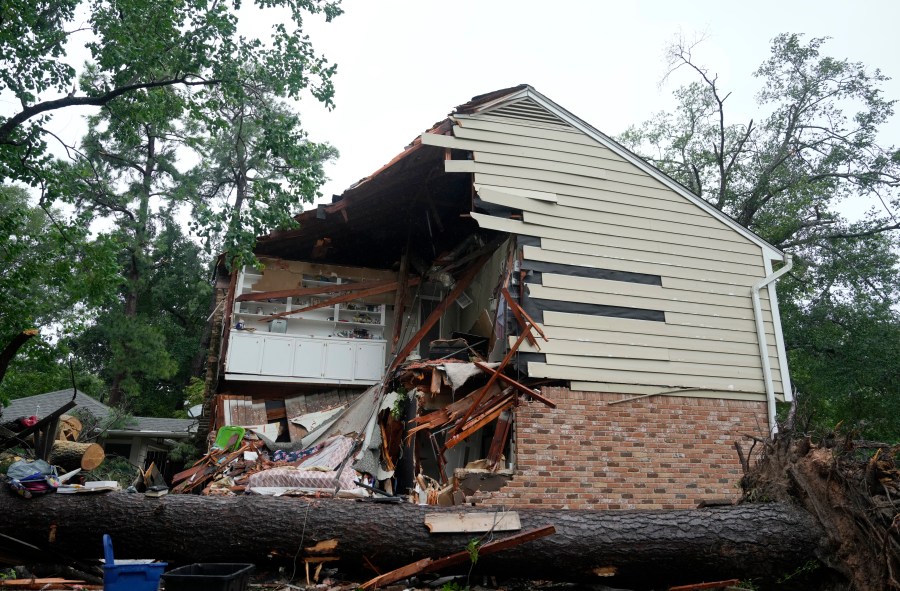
(72, 455)
(758, 541)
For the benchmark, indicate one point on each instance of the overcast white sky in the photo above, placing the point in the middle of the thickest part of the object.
(404, 64)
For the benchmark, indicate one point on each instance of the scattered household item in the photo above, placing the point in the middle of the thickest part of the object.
(229, 437)
(28, 478)
(278, 325)
(130, 576)
(209, 577)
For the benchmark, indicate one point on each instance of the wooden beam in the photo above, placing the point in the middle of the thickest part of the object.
(519, 310)
(464, 281)
(517, 313)
(479, 423)
(517, 385)
(428, 565)
(491, 380)
(302, 291)
(390, 286)
(472, 522)
(498, 442)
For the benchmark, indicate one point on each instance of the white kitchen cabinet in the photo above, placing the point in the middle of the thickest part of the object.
(342, 343)
(277, 356)
(244, 353)
(339, 360)
(309, 358)
(369, 360)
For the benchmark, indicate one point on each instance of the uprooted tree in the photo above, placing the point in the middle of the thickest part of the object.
(831, 522)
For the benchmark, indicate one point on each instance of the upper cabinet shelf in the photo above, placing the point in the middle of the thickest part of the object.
(356, 319)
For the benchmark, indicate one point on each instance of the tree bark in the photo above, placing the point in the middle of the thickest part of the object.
(758, 541)
(12, 347)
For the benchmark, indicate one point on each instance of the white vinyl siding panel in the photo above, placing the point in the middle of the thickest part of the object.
(592, 208)
(639, 290)
(639, 218)
(533, 253)
(572, 136)
(632, 352)
(544, 150)
(661, 380)
(632, 390)
(700, 341)
(650, 248)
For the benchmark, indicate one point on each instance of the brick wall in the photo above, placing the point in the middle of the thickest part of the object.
(661, 452)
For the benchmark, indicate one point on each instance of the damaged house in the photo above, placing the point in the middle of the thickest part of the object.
(515, 310)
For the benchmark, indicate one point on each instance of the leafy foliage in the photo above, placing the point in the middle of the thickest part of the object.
(257, 166)
(787, 174)
(51, 275)
(135, 45)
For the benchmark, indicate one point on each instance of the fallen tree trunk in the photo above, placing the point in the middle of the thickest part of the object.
(71, 455)
(751, 541)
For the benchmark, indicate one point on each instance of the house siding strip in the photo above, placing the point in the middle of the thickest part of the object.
(585, 206)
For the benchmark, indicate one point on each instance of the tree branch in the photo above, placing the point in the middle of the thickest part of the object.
(8, 126)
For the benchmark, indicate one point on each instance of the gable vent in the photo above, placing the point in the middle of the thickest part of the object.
(528, 110)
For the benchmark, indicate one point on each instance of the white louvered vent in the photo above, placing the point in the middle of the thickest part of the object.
(528, 110)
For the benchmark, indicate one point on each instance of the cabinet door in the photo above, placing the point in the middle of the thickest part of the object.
(277, 356)
(369, 361)
(339, 360)
(309, 356)
(244, 353)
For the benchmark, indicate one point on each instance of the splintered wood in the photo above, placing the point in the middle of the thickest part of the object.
(430, 565)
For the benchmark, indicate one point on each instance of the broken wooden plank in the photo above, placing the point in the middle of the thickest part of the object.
(472, 522)
(498, 442)
(435, 381)
(322, 547)
(518, 386)
(310, 291)
(358, 295)
(462, 283)
(429, 565)
(702, 586)
(517, 314)
(521, 310)
(509, 355)
(479, 422)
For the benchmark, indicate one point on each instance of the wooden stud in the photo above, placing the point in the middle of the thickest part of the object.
(439, 310)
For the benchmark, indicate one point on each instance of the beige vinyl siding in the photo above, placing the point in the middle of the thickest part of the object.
(563, 347)
(648, 378)
(648, 247)
(638, 218)
(624, 263)
(624, 331)
(592, 208)
(640, 393)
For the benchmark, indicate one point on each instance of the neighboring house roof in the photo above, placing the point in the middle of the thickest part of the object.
(43, 404)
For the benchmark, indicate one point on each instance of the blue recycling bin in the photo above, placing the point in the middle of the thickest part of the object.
(129, 577)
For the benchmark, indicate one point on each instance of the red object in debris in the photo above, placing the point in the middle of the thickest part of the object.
(28, 421)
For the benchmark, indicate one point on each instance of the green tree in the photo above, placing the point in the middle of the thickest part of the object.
(52, 277)
(257, 166)
(786, 174)
(135, 45)
(149, 355)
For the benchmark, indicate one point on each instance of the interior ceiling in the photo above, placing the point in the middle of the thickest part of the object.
(411, 200)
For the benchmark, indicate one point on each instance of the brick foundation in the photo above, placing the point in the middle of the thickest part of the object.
(661, 452)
